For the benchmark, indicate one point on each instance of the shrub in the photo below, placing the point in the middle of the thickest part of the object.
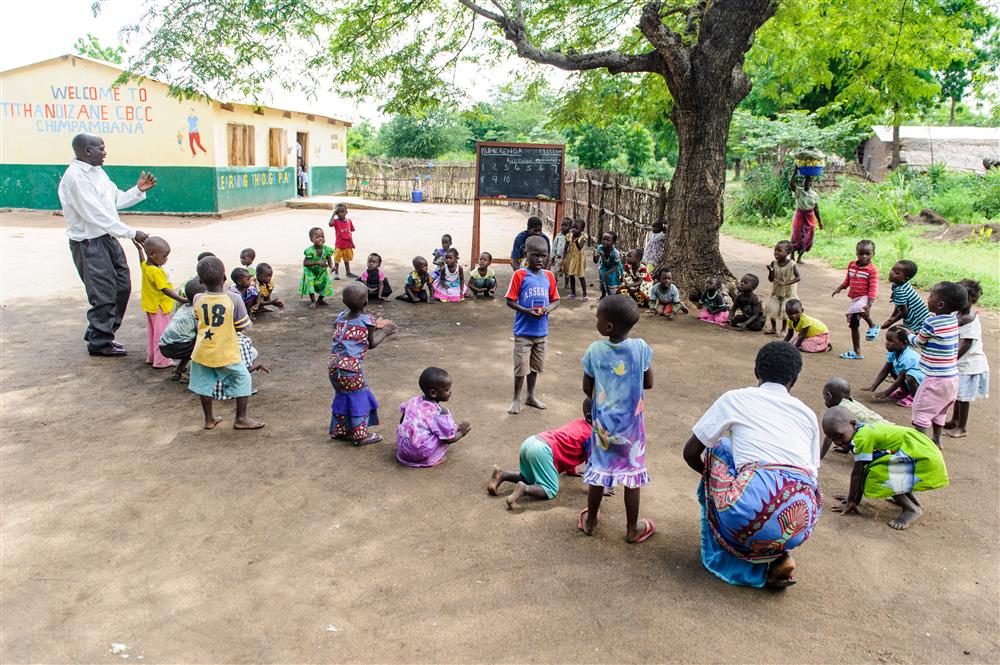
(988, 199)
(765, 193)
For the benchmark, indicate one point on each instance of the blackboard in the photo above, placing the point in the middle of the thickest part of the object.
(519, 171)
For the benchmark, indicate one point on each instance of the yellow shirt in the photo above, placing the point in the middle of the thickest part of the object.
(812, 326)
(154, 280)
(219, 316)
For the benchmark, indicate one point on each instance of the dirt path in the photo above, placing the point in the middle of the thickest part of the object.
(124, 522)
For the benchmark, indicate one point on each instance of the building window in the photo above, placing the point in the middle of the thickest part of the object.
(277, 147)
(241, 142)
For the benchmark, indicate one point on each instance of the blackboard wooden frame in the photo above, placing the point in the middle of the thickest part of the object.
(474, 255)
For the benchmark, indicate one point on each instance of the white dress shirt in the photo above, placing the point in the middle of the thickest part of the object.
(766, 425)
(90, 203)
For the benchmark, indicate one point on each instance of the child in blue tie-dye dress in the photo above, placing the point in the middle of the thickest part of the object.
(616, 371)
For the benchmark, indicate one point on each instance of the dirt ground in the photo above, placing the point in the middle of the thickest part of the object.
(124, 522)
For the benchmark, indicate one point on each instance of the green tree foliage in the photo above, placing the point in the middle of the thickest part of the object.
(594, 147)
(761, 139)
(362, 140)
(91, 47)
(978, 67)
(427, 137)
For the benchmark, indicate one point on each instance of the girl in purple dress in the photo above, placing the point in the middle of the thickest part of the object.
(354, 407)
(426, 429)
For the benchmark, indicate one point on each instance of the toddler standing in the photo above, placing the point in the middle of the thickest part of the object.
(973, 366)
(426, 429)
(609, 264)
(908, 306)
(616, 371)
(316, 269)
(656, 245)
(783, 275)
(343, 229)
(559, 246)
(861, 283)
(575, 263)
(158, 297)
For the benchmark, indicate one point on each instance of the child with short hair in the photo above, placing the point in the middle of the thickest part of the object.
(438, 255)
(517, 253)
(711, 303)
(266, 288)
(861, 283)
(664, 298)
(747, 311)
(616, 371)
(837, 392)
(450, 284)
(813, 335)
(247, 257)
(636, 282)
(609, 264)
(656, 245)
(375, 280)
(201, 256)
(783, 274)
(244, 287)
(343, 229)
(482, 279)
(316, 269)
(901, 363)
(418, 285)
(937, 342)
(908, 306)
(973, 366)
(177, 340)
(575, 263)
(158, 297)
(216, 354)
(559, 246)
(543, 457)
(890, 462)
(354, 408)
(533, 296)
(426, 429)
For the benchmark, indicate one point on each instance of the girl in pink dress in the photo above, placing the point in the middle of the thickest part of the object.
(450, 284)
(426, 428)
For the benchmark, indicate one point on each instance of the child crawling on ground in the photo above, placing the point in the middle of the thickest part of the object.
(543, 457)
(837, 392)
(426, 429)
(890, 462)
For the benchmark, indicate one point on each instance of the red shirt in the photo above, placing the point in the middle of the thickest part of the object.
(861, 281)
(343, 228)
(569, 444)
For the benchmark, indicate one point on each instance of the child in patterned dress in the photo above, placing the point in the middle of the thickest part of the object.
(354, 408)
(426, 429)
(316, 269)
(451, 285)
(837, 392)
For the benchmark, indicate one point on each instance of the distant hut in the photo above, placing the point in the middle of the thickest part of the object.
(960, 148)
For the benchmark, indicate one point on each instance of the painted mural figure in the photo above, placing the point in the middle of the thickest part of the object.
(194, 136)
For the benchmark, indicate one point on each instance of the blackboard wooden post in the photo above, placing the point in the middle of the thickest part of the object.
(517, 172)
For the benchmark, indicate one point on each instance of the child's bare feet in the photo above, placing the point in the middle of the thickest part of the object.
(770, 332)
(491, 487)
(585, 524)
(956, 432)
(247, 423)
(531, 401)
(210, 423)
(780, 573)
(515, 407)
(515, 495)
(321, 302)
(312, 305)
(907, 516)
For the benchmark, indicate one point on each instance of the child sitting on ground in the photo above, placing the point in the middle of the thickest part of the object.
(375, 280)
(609, 263)
(908, 306)
(837, 392)
(450, 283)
(575, 263)
(343, 230)
(216, 355)
(265, 286)
(543, 457)
(244, 287)
(656, 245)
(784, 276)
(901, 363)
(890, 462)
(812, 334)
(417, 287)
(438, 255)
(247, 257)
(937, 342)
(559, 246)
(316, 269)
(861, 283)
(177, 340)
(482, 279)
(636, 282)
(426, 429)
(517, 253)
(747, 311)
(158, 297)
(616, 371)
(354, 408)
(711, 303)
(973, 367)
(664, 298)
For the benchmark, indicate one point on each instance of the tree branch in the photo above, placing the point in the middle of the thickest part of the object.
(666, 42)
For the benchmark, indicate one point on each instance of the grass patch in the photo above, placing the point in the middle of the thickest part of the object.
(938, 260)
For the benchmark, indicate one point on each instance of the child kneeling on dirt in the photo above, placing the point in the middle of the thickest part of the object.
(426, 429)
(543, 457)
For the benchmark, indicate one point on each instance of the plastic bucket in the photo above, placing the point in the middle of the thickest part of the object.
(418, 197)
(813, 171)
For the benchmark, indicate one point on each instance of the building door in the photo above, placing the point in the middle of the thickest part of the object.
(302, 170)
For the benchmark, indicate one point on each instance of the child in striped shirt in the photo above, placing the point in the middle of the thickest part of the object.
(909, 307)
(973, 366)
(861, 283)
(937, 342)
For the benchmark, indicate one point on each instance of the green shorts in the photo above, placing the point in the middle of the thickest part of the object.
(537, 466)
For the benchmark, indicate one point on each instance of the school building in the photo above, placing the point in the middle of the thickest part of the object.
(208, 156)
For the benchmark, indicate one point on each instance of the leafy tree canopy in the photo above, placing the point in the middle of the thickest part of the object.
(91, 47)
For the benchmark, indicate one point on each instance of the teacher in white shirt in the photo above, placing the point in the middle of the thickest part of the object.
(759, 495)
(90, 204)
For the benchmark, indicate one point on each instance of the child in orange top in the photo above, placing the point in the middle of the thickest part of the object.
(158, 296)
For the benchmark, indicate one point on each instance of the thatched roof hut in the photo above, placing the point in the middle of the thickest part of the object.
(960, 148)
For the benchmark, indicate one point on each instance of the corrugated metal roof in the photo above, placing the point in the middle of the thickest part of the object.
(973, 134)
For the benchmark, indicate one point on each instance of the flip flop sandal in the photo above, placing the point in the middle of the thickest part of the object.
(906, 401)
(374, 438)
(583, 518)
(872, 333)
(851, 355)
(650, 530)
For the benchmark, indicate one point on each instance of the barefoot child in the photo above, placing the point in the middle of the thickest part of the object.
(901, 363)
(518, 254)
(616, 372)
(664, 298)
(973, 367)
(890, 462)
(316, 269)
(354, 408)
(247, 257)
(426, 429)
(158, 297)
(216, 354)
(482, 279)
(559, 246)
(575, 263)
(747, 312)
(265, 286)
(374, 279)
(811, 335)
(636, 282)
(907, 303)
(543, 457)
(177, 340)
(417, 287)
(343, 229)
(837, 392)
(450, 284)
(244, 287)
(861, 283)
(656, 245)
(711, 304)
(609, 264)
(533, 296)
(783, 274)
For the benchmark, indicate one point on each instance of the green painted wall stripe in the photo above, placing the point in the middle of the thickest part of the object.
(327, 179)
(251, 186)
